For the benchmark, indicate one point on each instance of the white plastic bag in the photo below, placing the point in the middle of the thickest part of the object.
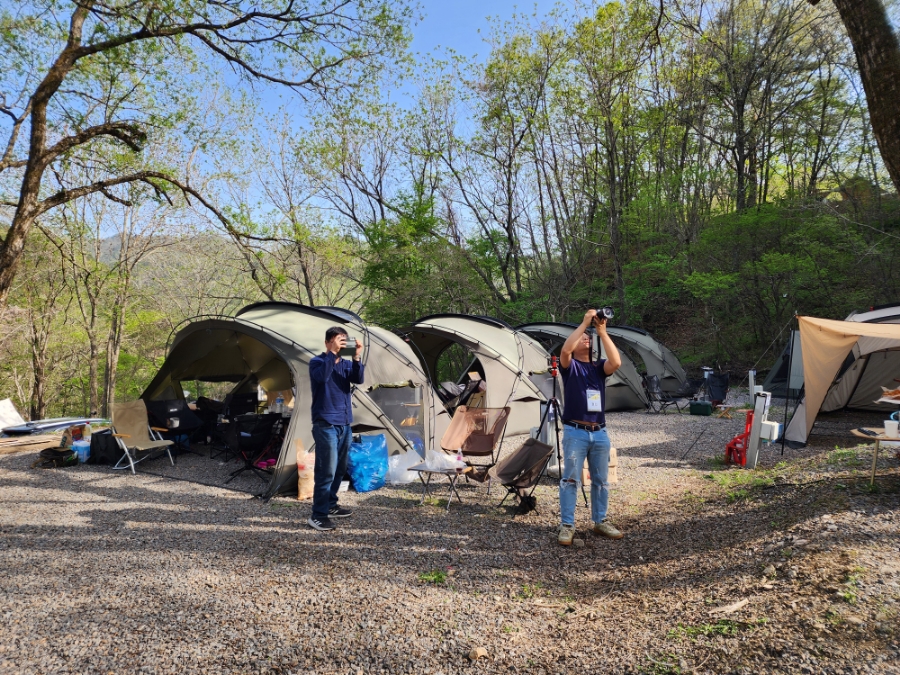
(438, 461)
(398, 468)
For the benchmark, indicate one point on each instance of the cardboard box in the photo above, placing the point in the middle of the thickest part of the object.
(701, 408)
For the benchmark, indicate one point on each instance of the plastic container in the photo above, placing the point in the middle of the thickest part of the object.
(279, 404)
(82, 449)
(701, 408)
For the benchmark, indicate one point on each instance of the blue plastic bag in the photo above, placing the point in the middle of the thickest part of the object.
(367, 463)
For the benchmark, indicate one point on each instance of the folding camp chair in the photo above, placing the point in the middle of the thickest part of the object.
(254, 436)
(462, 397)
(476, 432)
(688, 389)
(134, 435)
(178, 420)
(520, 472)
(717, 388)
(658, 400)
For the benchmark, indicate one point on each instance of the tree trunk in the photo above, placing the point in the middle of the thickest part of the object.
(39, 369)
(113, 346)
(878, 56)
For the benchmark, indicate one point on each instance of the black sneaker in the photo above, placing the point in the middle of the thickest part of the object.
(320, 524)
(339, 512)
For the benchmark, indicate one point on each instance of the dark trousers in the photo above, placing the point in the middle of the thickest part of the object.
(332, 446)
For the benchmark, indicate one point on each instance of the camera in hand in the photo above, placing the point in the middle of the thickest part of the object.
(605, 313)
(349, 348)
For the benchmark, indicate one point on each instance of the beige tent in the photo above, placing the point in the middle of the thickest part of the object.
(835, 353)
(271, 343)
(514, 364)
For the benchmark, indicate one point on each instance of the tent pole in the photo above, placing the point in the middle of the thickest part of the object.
(787, 389)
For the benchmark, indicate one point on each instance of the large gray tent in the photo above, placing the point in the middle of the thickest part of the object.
(624, 389)
(514, 364)
(272, 343)
(658, 359)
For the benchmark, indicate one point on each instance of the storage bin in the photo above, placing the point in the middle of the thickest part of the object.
(701, 408)
(82, 449)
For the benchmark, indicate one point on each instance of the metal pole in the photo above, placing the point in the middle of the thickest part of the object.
(787, 389)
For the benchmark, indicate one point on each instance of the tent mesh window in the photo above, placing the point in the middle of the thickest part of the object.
(402, 404)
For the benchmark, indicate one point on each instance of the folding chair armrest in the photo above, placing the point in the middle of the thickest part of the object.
(160, 429)
(121, 435)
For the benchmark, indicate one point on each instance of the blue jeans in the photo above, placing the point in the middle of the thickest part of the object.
(332, 446)
(579, 444)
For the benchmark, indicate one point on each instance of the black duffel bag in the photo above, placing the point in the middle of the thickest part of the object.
(104, 448)
(54, 458)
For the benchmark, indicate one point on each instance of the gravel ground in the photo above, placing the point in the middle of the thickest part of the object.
(793, 568)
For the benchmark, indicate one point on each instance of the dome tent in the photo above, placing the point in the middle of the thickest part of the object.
(658, 359)
(272, 343)
(624, 389)
(514, 364)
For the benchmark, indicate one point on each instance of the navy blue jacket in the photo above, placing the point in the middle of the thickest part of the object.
(331, 386)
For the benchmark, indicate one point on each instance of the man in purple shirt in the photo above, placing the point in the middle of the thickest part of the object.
(584, 436)
(332, 380)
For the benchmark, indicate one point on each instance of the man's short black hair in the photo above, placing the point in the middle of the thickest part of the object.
(333, 332)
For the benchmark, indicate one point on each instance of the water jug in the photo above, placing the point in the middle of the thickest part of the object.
(82, 449)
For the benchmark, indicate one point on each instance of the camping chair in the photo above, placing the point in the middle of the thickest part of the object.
(178, 420)
(476, 432)
(658, 400)
(717, 388)
(253, 436)
(134, 435)
(688, 389)
(520, 472)
(462, 398)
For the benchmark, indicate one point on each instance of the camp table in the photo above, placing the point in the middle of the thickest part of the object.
(452, 474)
(879, 436)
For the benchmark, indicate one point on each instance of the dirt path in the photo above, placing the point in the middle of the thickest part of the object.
(788, 569)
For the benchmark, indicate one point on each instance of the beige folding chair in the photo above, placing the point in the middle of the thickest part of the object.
(134, 434)
(476, 432)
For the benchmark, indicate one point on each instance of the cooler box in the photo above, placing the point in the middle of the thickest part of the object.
(701, 408)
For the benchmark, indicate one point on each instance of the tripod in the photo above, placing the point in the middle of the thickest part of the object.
(553, 404)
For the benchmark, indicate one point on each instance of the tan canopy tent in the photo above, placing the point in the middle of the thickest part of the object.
(272, 343)
(624, 389)
(836, 356)
(514, 364)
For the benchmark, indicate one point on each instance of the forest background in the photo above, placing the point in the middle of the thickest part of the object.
(706, 168)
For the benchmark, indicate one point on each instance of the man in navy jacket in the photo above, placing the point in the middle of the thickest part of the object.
(332, 414)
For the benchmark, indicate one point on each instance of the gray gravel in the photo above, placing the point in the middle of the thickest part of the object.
(105, 572)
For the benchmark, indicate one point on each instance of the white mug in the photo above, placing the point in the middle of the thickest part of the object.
(892, 428)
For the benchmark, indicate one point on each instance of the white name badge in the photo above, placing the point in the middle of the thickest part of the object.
(594, 400)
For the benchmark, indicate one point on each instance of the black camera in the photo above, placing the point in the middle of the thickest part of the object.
(349, 348)
(605, 313)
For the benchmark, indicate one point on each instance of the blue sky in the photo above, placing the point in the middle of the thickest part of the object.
(455, 24)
